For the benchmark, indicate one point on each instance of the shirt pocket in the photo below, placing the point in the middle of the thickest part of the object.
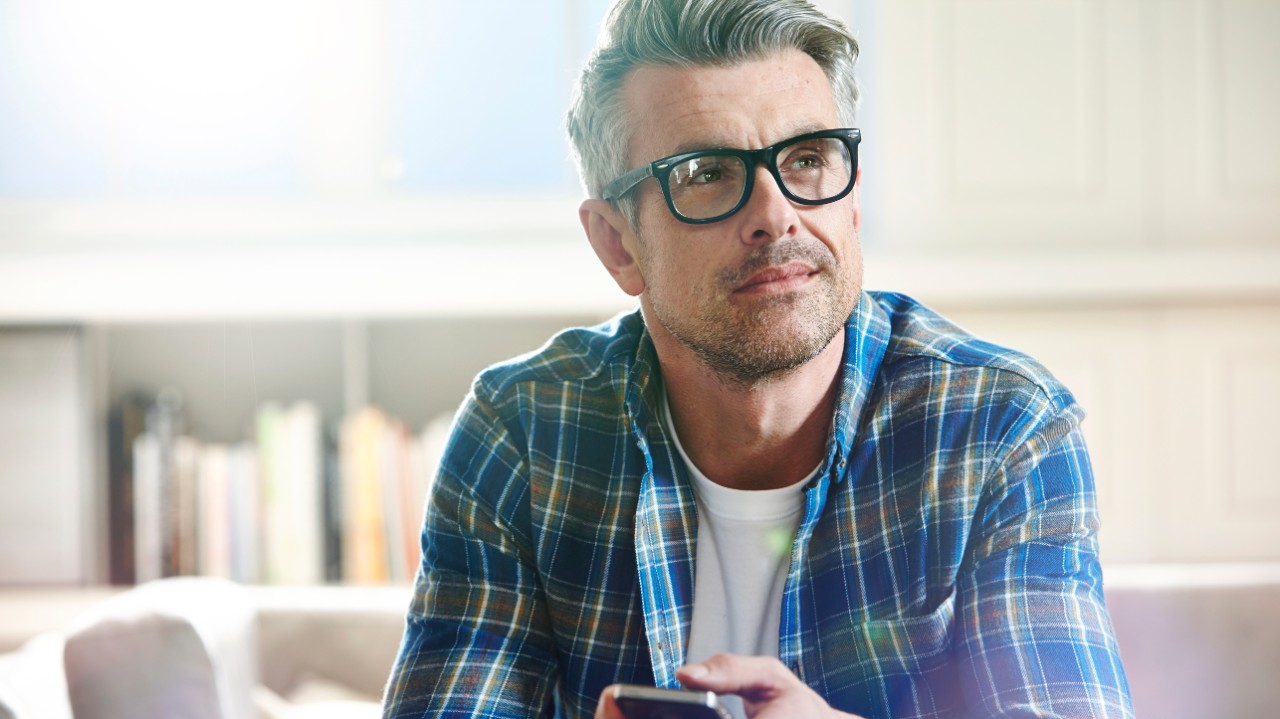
(907, 646)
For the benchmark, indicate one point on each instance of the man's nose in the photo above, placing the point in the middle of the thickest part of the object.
(769, 215)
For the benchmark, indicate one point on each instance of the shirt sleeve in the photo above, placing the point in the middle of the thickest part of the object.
(477, 641)
(1034, 637)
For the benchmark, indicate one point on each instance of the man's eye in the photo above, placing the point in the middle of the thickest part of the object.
(706, 177)
(705, 172)
(804, 161)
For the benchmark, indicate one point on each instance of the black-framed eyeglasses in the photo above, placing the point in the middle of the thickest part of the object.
(709, 185)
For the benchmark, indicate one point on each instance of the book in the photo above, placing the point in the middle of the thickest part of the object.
(126, 420)
(304, 459)
(184, 495)
(364, 549)
(148, 527)
(292, 510)
(392, 448)
(245, 505)
(332, 498)
(156, 502)
(214, 524)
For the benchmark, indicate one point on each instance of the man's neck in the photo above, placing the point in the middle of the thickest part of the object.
(761, 436)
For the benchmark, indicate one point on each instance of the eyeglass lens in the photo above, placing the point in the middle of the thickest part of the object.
(711, 185)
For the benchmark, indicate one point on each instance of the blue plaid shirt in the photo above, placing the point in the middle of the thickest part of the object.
(946, 564)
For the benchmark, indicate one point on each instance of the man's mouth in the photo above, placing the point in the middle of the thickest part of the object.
(783, 278)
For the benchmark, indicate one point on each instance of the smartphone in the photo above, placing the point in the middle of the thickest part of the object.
(640, 702)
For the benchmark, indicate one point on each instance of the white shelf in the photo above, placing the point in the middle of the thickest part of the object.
(1175, 276)
(26, 612)
(144, 285)
(482, 277)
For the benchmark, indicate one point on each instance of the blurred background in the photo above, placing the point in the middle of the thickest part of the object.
(276, 239)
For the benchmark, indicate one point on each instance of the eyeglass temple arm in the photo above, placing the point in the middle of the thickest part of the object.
(627, 182)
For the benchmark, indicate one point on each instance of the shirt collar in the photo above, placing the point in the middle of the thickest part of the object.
(866, 339)
(643, 386)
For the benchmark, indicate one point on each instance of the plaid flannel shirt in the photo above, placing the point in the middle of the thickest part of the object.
(946, 564)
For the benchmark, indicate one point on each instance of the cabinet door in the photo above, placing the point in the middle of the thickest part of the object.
(1219, 485)
(1216, 156)
(43, 448)
(1011, 124)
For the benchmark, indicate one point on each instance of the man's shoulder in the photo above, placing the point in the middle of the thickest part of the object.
(921, 340)
(577, 355)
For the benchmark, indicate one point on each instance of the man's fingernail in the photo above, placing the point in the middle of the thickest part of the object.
(696, 671)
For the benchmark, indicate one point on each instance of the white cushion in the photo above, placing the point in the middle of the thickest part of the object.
(31, 682)
(182, 648)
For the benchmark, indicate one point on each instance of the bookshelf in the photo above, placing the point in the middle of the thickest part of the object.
(61, 383)
(236, 377)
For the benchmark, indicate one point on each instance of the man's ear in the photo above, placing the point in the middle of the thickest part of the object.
(610, 235)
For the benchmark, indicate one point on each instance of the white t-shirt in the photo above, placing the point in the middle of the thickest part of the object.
(743, 554)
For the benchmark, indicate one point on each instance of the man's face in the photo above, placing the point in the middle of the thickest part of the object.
(766, 289)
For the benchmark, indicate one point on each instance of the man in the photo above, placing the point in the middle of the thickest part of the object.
(767, 483)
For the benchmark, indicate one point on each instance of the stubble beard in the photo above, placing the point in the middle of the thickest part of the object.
(763, 339)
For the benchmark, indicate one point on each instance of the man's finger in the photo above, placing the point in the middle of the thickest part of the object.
(607, 707)
(755, 678)
(767, 687)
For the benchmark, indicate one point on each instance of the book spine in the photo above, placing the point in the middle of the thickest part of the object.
(186, 529)
(148, 527)
(246, 514)
(304, 542)
(213, 536)
(126, 422)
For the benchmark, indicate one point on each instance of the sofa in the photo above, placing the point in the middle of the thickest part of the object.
(1200, 642)
(203, 648)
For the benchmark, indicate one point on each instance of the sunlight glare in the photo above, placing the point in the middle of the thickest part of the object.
(211, 83)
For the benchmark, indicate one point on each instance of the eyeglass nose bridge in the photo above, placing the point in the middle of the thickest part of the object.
(768, 157)
(752, 161)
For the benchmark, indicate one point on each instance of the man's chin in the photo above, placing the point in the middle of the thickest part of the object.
(766, 355)
(786, 320)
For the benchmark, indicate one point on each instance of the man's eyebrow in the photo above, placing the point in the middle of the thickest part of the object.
(700, 145)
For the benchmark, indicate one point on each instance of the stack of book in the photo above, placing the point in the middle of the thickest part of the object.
(304, 502)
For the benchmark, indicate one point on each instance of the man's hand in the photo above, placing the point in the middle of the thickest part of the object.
(606, 707)
(768, 689)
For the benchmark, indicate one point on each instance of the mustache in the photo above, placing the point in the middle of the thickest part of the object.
(780, 253)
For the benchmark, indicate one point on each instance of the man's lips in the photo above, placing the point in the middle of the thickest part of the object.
(777, 279)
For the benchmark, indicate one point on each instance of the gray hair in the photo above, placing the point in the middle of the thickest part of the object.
(688, 33)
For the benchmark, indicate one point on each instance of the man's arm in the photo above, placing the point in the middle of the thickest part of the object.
(477, 639)
(1032, 634)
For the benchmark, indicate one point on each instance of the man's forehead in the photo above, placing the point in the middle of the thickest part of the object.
(748, 104)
